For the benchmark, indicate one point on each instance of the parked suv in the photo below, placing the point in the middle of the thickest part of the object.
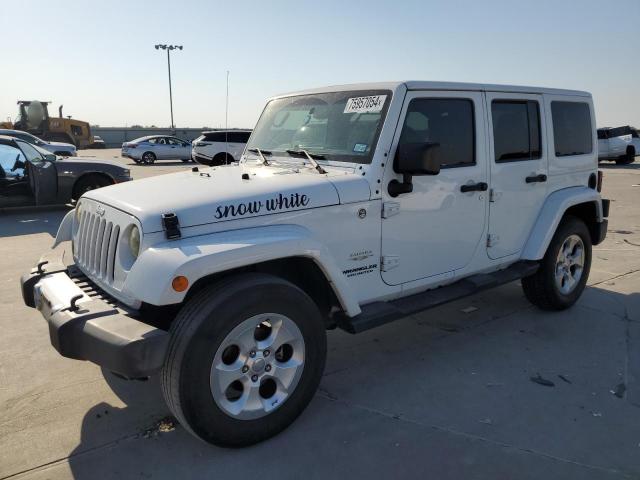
(352, 206)
(220, 147)
(620, 144)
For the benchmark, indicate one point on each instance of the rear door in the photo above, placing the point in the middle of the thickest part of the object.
(162, 148)
(519, 169)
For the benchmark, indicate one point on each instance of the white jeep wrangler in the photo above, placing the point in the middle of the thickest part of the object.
(352, 206)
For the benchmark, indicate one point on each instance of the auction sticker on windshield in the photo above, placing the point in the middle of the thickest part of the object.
(370, 104)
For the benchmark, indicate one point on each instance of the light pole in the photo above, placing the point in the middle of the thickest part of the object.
(168, 48)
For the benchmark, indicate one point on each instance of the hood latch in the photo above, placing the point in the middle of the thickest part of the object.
(171, 226)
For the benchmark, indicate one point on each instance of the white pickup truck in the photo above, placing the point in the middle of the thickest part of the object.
(620, 144)
(352, 206)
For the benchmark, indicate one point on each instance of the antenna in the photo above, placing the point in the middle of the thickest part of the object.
(226, 120)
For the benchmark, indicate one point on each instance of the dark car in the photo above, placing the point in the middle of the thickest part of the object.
(30, 175)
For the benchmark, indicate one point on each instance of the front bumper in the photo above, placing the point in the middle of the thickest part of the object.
(93, 327)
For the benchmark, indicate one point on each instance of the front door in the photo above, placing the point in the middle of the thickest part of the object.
(42, 175)
(14, 184)
(518, 169)
(437, 228)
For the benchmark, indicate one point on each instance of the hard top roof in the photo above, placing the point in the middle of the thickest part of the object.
(433, 85)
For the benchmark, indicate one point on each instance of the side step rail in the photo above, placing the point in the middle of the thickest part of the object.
(378, 313)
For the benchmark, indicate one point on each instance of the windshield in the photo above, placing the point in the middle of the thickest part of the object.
(341, 126)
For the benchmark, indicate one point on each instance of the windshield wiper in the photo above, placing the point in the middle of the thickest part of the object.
(262, 153)
(311, 157)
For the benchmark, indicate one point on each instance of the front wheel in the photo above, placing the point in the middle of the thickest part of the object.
(246, 357)
(88, 183)
(564, 270)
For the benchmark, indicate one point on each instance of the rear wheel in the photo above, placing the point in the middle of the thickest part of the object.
(628, 158)
(148, 158)
(246, 357)
(564, 270)
(90, 182)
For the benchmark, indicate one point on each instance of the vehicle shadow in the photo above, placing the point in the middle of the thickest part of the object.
(150, 451)
(167, 163)
(614, 166)
(30, 221)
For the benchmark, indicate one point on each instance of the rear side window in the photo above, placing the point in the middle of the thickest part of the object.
(571, 128)
(516, 130)
(602, 134)
(214, 137)
(448, 122)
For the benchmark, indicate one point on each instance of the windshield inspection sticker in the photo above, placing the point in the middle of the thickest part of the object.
(371, 104)
(360, 147)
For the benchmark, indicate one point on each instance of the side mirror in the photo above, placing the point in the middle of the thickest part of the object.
(50, 157)
(414, 159)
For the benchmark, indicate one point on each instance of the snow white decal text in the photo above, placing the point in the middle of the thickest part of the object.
(274, 204)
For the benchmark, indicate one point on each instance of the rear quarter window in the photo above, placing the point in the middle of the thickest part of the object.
(572, 131)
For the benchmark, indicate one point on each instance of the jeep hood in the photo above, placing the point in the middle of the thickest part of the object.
(221, 194)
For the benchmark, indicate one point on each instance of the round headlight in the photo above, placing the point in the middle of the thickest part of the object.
(134, 241)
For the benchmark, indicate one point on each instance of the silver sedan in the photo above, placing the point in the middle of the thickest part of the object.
(159, 147)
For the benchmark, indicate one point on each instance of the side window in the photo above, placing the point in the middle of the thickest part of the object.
(602, 134)
(11, 161)
(31, 153)
(239, 137)
(448, 122)
(215, 137)
(571, 128)
(152, 141)
(516, 130)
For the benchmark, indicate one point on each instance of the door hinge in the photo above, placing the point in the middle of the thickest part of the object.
(492, 240)
(389, 262)
(494, 196)
(389, 209)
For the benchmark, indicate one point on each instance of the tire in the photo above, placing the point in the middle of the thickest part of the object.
(90, 182)
(628, 158)
(148, 158)
(202, 334)
(542, 288)
(221, 159)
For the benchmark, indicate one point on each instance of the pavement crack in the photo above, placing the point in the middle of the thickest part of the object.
(398, 417)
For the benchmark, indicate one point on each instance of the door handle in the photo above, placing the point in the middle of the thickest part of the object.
(474, 187)
(536, 178)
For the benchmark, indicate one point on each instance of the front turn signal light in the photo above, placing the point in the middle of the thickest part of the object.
(180, 283)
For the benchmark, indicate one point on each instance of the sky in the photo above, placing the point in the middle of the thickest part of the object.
(98, 57)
